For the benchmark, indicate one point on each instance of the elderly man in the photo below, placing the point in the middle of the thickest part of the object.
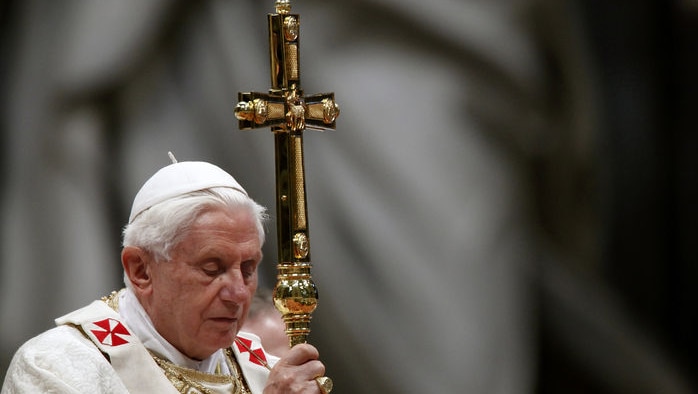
(190, 256)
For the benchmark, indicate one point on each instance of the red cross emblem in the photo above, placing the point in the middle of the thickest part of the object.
(112, 332)
(257, 356)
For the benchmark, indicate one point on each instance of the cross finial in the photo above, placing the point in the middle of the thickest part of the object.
(283, 6)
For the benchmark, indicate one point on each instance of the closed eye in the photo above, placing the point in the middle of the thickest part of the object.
(248, 268)
(212, 269)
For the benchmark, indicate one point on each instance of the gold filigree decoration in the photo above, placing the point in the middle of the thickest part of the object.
(112, 300)
(190, 381)
(301, 245)
(330, 110)
(295, 117)
(291, 28)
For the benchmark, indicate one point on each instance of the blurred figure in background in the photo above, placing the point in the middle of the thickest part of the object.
(266, 322)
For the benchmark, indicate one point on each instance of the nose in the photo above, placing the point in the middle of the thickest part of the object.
(233, 288)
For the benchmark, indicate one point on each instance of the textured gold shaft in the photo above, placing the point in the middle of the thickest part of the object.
(292, 62)
(299, 215)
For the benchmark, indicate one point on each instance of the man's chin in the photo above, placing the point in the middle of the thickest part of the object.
(217, 335)
(224, 339)
(213, 345)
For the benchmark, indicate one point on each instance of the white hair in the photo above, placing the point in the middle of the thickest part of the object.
(162, 226)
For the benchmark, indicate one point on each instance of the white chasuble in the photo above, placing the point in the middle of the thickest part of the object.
(93, 350)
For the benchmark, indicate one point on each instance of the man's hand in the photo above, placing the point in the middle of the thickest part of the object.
(296, 371)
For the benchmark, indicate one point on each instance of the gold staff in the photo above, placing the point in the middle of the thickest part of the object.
(288, 113)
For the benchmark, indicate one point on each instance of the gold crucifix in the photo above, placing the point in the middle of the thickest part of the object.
(288, 113)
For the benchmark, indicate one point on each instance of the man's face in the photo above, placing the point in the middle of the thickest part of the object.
(200, 298)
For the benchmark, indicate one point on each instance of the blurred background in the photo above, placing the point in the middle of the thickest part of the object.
(507, 204)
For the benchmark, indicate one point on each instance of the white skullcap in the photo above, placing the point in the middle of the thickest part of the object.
(178, 179)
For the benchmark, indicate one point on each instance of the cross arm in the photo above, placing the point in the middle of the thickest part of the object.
(287, 110)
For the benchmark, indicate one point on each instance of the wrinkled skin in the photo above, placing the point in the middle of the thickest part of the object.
(198, 301)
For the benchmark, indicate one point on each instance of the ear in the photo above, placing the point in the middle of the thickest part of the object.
(136, 263)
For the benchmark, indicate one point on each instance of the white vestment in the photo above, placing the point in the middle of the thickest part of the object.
(95, 350)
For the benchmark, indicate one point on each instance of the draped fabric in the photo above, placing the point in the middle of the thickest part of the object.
(95, 350)
(419, 203)
(41, 366)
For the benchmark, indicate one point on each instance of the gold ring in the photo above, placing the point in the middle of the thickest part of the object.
(324, 383)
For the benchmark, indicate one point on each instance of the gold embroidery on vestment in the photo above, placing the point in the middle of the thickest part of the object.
(191, 381)
(112, 300)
